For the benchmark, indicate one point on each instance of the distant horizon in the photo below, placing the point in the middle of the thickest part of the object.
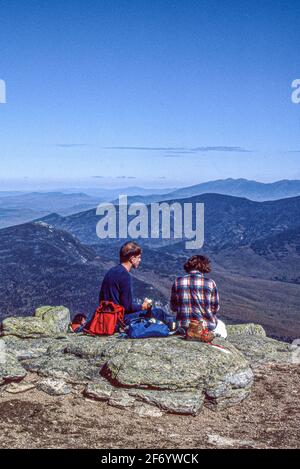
(38, 185)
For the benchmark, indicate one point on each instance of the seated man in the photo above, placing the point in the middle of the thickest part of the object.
(195, 297)
(116, 285)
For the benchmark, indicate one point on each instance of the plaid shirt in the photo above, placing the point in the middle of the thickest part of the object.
(195, 297)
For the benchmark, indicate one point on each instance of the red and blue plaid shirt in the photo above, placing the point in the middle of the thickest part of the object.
(195, 297)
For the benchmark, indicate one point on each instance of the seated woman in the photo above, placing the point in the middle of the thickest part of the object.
(195, 298)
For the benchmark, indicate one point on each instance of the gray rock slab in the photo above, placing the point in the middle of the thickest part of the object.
(258, 349)
(10, 368)
(54, 387)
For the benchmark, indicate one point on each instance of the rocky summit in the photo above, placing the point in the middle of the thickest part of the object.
(149, 376)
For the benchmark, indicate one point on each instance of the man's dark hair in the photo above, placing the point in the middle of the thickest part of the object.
(128, 250)
(201, 263)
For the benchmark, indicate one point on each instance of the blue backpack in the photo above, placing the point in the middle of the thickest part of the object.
(142, 328)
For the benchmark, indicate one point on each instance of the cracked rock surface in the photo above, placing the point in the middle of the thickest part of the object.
(162, 374)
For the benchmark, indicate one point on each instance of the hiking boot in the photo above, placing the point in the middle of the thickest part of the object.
(197, 332)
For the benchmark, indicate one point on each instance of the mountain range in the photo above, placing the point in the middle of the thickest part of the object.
(254, 248)
(19, 207)
(42, 265)
(228, 221)
(253, 190)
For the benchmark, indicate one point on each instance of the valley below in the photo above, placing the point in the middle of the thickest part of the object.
(254, 249)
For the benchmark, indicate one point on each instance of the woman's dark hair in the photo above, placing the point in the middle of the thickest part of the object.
(128, 250)
(79, 318)
(201, 263)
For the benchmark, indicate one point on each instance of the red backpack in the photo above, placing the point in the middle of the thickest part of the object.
(105, 319)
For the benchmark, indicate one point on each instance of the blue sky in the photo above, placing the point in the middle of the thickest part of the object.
(153, 93)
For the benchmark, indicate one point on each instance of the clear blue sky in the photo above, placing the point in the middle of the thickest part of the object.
(153, 93)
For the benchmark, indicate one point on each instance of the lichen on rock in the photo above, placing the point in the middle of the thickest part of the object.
(10, 368)
(249, 329)
(48, 321)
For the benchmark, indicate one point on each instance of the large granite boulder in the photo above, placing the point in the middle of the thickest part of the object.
(162, 374)
(176, 375)
(48, 321)
(173, 374)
